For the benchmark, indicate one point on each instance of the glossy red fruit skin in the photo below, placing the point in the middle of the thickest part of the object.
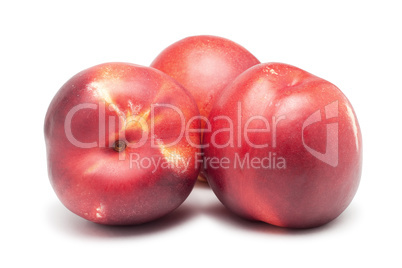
(204, 65)
(306, 191)
(99, 183)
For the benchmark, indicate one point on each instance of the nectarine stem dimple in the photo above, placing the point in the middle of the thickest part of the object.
(119, 146)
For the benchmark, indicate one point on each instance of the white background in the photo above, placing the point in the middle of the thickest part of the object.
(354, 44)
